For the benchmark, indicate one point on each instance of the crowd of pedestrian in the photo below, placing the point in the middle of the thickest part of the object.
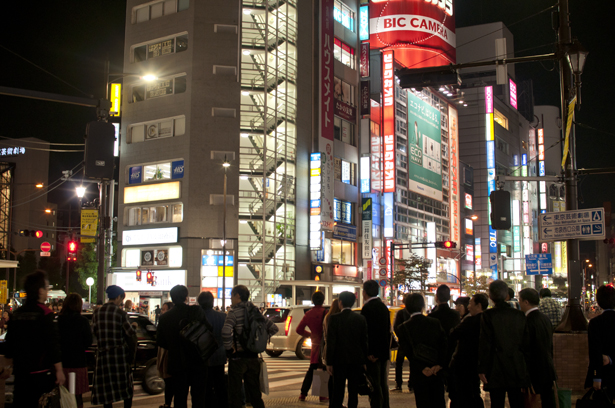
(503, 341)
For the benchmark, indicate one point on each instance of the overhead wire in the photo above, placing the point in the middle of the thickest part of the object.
(44, 193)
(44, 143)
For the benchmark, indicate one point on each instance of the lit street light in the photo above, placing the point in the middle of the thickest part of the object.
(226, 165)
(90, 281)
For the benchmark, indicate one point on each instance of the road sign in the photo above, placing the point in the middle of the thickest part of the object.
(382, 261)
(45, 247)
(538, 264)
(383, 282)
(383, 271)
(585, 224)
(45, 253)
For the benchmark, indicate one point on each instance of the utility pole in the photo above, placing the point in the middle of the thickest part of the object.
(100, 251)
(573, 319)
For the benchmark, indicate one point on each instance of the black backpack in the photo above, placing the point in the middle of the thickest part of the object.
(254, 337)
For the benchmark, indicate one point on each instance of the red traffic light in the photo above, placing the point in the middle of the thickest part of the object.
(138, 275)
(72, 246)
(445, 244)
(38, 234)
(149, 277)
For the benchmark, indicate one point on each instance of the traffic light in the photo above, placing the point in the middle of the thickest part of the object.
(31, 233)
(99, 141)
(72, 250)
(138, 275)
(500, 210)
(446, 244)
(318, 270)
(150, 277)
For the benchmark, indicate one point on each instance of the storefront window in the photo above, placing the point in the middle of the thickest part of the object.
(154, 214)
(342, 252)
(343, 130)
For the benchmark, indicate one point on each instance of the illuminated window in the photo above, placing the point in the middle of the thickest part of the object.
(152, 192)
(342, 252)
(345, 171)
(343, 91)
(342, 212)
(344, 53)
(167, 213)
(168, 127)
(160, 47)
(500, 119)
(158, 88)
(343, 130)
(157, 9)
(343, 15)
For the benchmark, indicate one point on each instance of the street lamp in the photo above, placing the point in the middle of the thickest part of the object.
(576, 57)
(226, 165)
(90, 281)
(39, 185)
(80, 191)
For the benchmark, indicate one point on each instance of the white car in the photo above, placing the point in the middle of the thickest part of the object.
(286, 339)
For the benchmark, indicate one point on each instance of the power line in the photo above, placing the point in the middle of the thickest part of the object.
(43, 143)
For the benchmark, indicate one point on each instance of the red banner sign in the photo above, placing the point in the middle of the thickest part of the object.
(345, 111)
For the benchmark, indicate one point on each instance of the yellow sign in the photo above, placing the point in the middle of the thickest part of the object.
(4, 292)
(568, 127)
(89, 225)
(116, 99)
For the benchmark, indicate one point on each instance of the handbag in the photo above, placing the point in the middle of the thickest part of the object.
(531, 399)
(67, 400)
(263, 377)
(320, 383)
(595, 399)
(201, 335)
(365, 386)
(50, 399)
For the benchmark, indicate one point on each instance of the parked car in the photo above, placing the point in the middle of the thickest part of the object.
(144, 369)
(286, 339)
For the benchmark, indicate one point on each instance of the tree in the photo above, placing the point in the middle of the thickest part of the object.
(413, 274)
(87, 267)
(473, 284)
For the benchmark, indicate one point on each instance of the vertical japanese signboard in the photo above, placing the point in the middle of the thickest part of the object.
(375, 138)
(453, 133)
(326, 113)
(388, 120)
(315, 201)
(366, 227)
(489, 136)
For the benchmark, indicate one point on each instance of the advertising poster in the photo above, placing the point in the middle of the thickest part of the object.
(424, 137)
(366, 227)
(453, 134)
(388, 120)
(326, 113)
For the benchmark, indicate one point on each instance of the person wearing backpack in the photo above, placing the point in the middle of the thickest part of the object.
(185, 364)
(245, 334)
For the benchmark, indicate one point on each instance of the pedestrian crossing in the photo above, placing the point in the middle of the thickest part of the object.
(287, 372)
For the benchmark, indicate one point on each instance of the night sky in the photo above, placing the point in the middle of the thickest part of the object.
(73, 38)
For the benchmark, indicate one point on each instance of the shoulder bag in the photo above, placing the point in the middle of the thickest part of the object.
(201, 336)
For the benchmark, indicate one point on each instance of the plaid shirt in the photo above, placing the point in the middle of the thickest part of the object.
(551, 309)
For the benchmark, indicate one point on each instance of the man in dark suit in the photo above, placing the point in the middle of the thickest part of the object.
(401, 316)
(216, 390)
(379, 342)
(425, 343)
(185, 365)
(540, 357)
(346, 351)
(600, 334)
(448, 317)
(464, 365)
(503, 345)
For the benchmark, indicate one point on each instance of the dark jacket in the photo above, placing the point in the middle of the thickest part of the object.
(32, 340)
(378, 328)
(182, 358)
(465, 338)
(601, 340)
(503, 346)
(346, 339)
(540, 356)
(426, 331)
(75, 338)
(216, 319)
(449, 318)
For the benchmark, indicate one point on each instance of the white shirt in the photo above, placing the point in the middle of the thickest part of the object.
(415, 313)
(371, 298)
(531, 310)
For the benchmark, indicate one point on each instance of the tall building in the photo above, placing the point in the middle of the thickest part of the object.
(237, 83)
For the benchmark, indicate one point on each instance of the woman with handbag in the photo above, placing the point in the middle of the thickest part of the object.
(75, 338)
(424, 341)
(116, 347)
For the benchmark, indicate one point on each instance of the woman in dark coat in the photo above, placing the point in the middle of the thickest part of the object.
(75, 338)
(116, 347)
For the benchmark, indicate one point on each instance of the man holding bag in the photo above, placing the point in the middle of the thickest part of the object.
(313, 321)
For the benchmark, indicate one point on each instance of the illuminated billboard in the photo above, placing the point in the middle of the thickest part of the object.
(388, 120)
(422, 32)
(424, 138)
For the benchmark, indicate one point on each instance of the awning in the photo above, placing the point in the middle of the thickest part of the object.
(8, 264)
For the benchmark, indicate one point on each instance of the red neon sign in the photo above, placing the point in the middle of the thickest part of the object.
(388, 120)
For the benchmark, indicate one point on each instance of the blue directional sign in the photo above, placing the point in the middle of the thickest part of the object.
(579, 224)
(538, 264)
